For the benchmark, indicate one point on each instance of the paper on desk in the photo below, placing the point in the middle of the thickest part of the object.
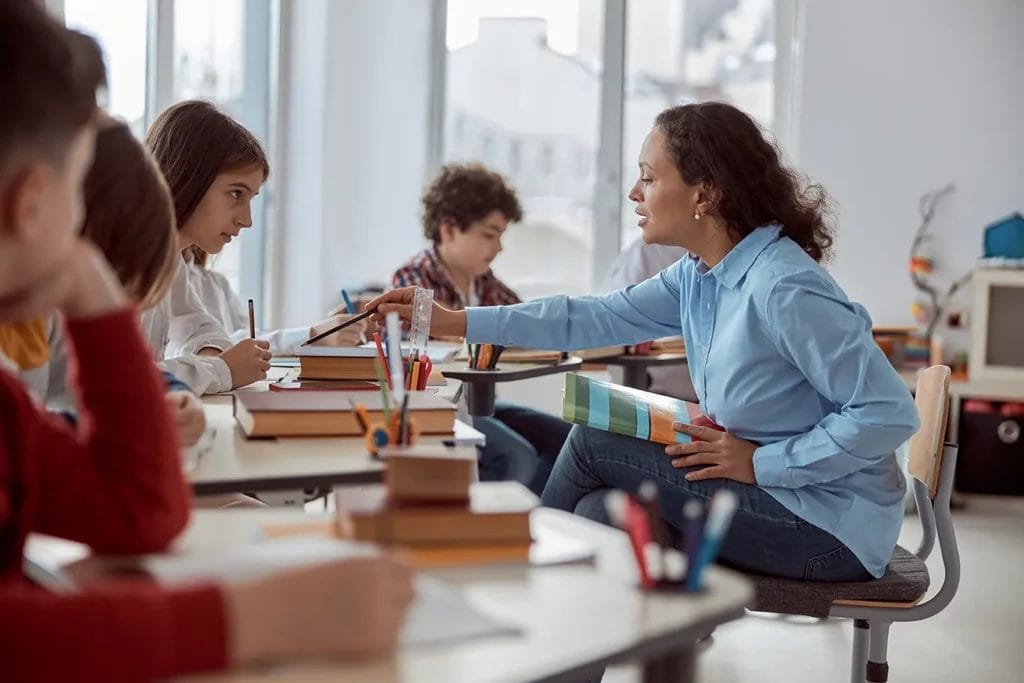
(249, 561)
(439, 612)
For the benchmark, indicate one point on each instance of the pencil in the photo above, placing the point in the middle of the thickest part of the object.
(252, 320)
(414, 382)
(336, 328)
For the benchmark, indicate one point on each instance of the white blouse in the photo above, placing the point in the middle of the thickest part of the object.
(222, 303)
(177, 328)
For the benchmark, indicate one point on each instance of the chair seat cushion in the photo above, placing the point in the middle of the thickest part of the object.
(905, 580)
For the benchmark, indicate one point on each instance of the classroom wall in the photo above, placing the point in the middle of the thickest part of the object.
(897, 99)
(355, 140)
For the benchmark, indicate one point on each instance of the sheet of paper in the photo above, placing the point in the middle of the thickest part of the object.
(441, 613)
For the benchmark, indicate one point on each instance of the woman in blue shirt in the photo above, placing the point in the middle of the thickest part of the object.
(779, 356)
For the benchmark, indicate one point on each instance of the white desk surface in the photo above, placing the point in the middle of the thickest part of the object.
(571, 617)
(231, 463)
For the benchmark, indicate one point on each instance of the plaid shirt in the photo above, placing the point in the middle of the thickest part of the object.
(426, 270)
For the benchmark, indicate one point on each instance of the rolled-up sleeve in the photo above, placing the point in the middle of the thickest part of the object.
(829, 339)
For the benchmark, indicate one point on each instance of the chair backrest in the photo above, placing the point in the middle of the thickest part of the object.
(932, 398)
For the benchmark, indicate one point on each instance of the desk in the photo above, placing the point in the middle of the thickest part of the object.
(960, 390)
(230, 463)
(634, 368)
(480, 391)
(566, 633)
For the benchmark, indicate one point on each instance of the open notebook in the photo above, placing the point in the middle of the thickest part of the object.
(439, 613)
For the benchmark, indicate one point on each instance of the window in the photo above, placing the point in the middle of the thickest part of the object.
(221, 55)
(679, 51)
(523, 97)
(119, 26)
(534, 90)
(216, 51)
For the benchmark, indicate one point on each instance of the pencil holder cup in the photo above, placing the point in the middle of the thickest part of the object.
(480, 398)
(670, 586)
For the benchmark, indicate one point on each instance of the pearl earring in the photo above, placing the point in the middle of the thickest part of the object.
(696, 215)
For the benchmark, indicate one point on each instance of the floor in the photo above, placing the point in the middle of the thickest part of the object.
(979, 637)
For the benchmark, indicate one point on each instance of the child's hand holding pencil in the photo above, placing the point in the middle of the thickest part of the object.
(346, 336)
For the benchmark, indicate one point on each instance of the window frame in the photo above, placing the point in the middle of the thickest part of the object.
(257, 107)
(608, 199)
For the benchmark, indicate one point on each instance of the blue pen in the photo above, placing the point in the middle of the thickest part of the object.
(352, 311)
(348, 302)
(693, 517)
(723, 507)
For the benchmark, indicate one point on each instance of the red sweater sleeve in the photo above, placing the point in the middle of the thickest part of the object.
(115, 482)
(122, 633)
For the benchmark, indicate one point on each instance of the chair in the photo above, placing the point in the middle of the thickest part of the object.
(874, 605)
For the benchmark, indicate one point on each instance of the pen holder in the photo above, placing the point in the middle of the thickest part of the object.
(480, 397)
(669, 586)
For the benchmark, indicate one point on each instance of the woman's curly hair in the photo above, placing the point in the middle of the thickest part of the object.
(464, 194)
(717, 144)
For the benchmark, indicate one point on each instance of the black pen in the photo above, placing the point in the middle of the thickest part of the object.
(336, 328)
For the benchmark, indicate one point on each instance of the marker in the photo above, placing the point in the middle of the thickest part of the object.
(617, 504)
(693, 518)
(723, 507)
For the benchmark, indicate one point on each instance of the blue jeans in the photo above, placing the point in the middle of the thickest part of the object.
(764, 537)
(522, 445)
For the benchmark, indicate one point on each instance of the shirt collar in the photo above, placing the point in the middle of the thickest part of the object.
(740, 258)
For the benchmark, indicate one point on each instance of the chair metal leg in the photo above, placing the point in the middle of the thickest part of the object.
(861, 630)
(877, 669)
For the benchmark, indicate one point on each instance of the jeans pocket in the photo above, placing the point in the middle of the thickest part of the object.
(819, 566)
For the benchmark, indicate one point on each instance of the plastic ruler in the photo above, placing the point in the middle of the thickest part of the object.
(422, 306)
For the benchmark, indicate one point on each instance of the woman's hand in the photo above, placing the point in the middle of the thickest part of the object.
(718, 454)
(443, 322)
(350, 336)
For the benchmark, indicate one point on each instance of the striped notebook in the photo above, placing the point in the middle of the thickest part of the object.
(619, 409)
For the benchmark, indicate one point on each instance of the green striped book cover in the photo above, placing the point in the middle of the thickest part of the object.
(622, 410)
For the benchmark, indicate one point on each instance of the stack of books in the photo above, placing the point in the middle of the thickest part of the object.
(668, 345)
(338, 362)
(430, 504)
(331, 413)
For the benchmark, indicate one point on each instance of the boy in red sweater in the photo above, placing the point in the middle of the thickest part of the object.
(115, 481)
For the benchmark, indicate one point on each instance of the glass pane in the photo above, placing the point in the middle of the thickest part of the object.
(209, 64)
(209, 50)
(680, 51)
(523, 98)
(120, 28)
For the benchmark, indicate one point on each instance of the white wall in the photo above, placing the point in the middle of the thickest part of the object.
(355, 140)
(897, 99)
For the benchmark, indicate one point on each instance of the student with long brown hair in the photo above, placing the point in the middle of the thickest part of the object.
(779, 356)
(215, 168)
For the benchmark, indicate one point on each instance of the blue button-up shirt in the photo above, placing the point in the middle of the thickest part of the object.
(779, 356)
